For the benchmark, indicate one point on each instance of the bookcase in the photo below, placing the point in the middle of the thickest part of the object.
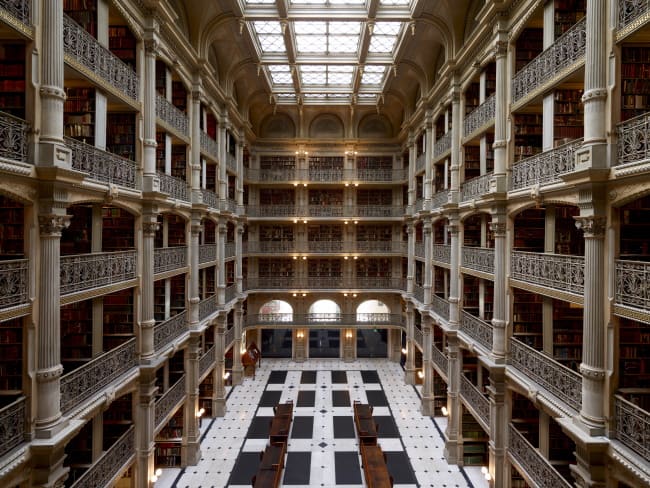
(635, 81)
(230, 273)
(84, 13)
(12, 78)
(120, 134)
(211, 176)
(568, 118)
(206, 392)
(374, 162)
(490, 79)
(529, 45)
(324, 268)
(277, 196)
(527, 322)
(472, 97)
(117, 419)
(373, 267)
(475, 440)
(325, 197)
(118, 229)
(122, 43)
(439, 176)
(11, 359)
(282, 267)
(232, 186)
(634, 354)
(179, 95)
(76, 334)
(161, 159)
(207, 283)
(471, 294)
(561, 449)
(635, 225)
(277, 233)
(567, 333)
(439, 281)
(376, 196)
(118, 318)
(176, 366)
(419, 186)
(325, 162)
(12, 229)
(472, 231)
(525, 418)
(75, 239)
(516, 480)
(489, 152)
(168, 442)
(175, 230)
(159, 300)
(177, 294)
(568, 238)
(488, 300)
(325, 233)
(529, 230)
(179, 161)
(277, 162)
(470, 366)
(79, 456)
(210, 124)
(528, 135)
(374, 233)
(567, 13)
(439, 393)
(161, 78)
(79, 114)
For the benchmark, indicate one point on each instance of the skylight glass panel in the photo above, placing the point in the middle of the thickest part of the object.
(258, 2)
(308, 27)
(394, 2)
(272, 43)
(311, 44)
(314, 96)
(313, 75)
(343, 44)
(340, 75)
(347, 28)
(386, 28)
(373, 75)
(267, 27)
(281, 74)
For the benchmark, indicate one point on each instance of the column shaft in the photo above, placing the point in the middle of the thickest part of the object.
(149, 227)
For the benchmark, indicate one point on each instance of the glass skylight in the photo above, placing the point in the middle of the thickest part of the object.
(281, 74)
(373, 75)
(384, 37)
(328, 2)
(394, 2)
(270, 36)
(326, 74)
(327, 37)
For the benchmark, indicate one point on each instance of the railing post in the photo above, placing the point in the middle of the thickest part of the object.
(409, 367)
(219, 397)
(191, 446)
(427, 403)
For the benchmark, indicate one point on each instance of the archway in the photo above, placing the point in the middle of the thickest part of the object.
(372, 343)
(276, 342)
(324, 343)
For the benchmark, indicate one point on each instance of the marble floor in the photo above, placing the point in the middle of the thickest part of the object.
(413, 443)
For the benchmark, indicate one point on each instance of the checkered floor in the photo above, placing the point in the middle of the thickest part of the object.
(322, 450)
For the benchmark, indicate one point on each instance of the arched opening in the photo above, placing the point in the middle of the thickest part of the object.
(372, 343)
(276, 343)
(324, 343)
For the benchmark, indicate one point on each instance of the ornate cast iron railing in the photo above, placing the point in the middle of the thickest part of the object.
(439, 358)
(229, 205)
(477, 329)
(440, 306)
(210, 198)
(419, 249)
(209, 146)
(417, 337)
(561, 381)
(379, 246)
(475, 399)
(229, 337)
(317, 319)
(480, 116)
(231, 293)
(86, 271)
(324, 246)
(325, 175)
(324, 282)
(632, 289)
(174, 187)
(633, 426)
(439, 199)
(271, 247)
(533, 463)
(272, 211)
(110, 463)
(207, 360)
(231, 162)
(418, 292)
(168, 330)
(325, 211)
(102, 165)
(374, 211)
(12, 425)
(544, 168)
(169, 258)
(207, 306)
(630, 10)
(172, 115)
(476, 187)
(229, 250)
(14, 282)
(442, 253)
(419, 162)
(21, 9)
(207, 253)
(87, 51)
(566, 51)
(271, 175)
(14, 138)
(91, 378)
(418, 206)
(442, 145)
(557, 271)
(272, 282)
(478, 258)
(166, 403)
(377, 283)
(634, 140)
(368, 174)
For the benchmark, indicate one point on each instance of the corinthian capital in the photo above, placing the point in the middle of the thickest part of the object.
(150, 228)
(52, 225)
(592, 226)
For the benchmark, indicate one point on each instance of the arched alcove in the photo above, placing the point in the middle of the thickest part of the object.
(324, 311)
(278, 126)
(326, 126)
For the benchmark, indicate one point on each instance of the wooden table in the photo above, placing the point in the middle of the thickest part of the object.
(279, 431)
(283, 409)
(374, 467)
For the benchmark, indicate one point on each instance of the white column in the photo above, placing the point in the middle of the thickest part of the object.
(150, 180)
(427, 403)
(428, 267)
(194, 299)
(237, 367)
(454, 272)
(501, 110)
(456, 133)
(410, 273)
(498, 463)
(409, 368)
(239, 267)
(149, 227)
(453, 442)
(498, 227)
(191, 444)
(595, 94)
(219, 397)
(428, 151)
(411, 168)
(222, 230)
(195, 150)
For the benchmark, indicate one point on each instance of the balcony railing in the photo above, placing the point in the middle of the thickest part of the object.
(561, 381)
(419, 250)
(477, 329)
(12, 425)
(171, 115)
(209, 146)
(439, 199)
(633, 426)
(324, 282)
(168, 401)
(442, 253)
(346, 175)
(558, 271)
(316, 319)
(631, 10)
(531, 461)
(634, 139)
(271, 175)
(14, 282)
(174, 187)
(325, 210)
(478, 258)
(91, 378)
(442, 145)
(319, 175)
(168, 330)
(480, 117)
(335, 282)
(419, 162)
(21, 9)
(271, 247)
(231, 162)
(544, 168)
(231, 293)
(110, 463)
(84, 49)
(417, 337)
(476, 187)
(374, 211)
(632, 290)
(376, 175)
(440, 306)
(228, 205)
(377, 283)
(418, 206)
(87, 271)
(14, 138)
(207, 307)
(475, 399)
(300, 212)
(169, 258)
(102, 165)
(272, 282)
(229, 337)
(439, 358)
(324, 246)
(379, 246)
(207, 360)
(418, 292)
(562, 55)
(207, 253)
(229, 250)
(210, 198)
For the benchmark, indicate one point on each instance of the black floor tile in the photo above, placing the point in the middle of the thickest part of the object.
(277, 377)
(386, 426)
(377, 398)
(308, 377)
(400, 468)
(343, 427)
(370, 376)
(303, 427)
(259, 428)
(306, 398)
(245, 467)
(340, 398)
(347, 469)
(270, 398)
(297, 468)
(339, 377)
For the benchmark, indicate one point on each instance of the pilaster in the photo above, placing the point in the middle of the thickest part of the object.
(219, 399)
(427, 402)
(194, 299)
(454, 272)
(150, 181)
(239, 267)
(499, 339)
(428, 151)
(222, 230)
(299, 345)
(191, 445)
(453, 441)
(195, 127)
(456, 134)
(410, 274)
(349, 345)
(428, 266)
(149, 227)
(498, 463)
(409, 368)
(501, 108)
(145, 427)
(238, 348)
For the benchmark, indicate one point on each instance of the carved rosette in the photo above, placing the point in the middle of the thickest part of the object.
(53, 225)
(593, 227)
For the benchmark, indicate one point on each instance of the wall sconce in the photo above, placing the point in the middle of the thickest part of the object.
(356, 222)
(304, 221)
(156, 475)
(226, 375)
(420, 374)
(345, 257)
(295, 294)
(404, 350)
(200, 413)
(354, 295)
(345, 294)
(300, 334)
(444, 411)
(295, 221)
(347, 184)
(304, 294)
(348, 334)
(345, 222)
(304, 258)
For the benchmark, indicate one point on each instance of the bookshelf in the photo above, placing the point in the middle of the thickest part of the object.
(567, 333)
(439, 393)
(472, 231)
(489, 152)
(211, 176)
(634, 354)
(78, 453)
(490, 79)
(326, 162)
(12, 229)
(439, 176)
(177, 294)
(470, 366)
(568, 238)
(374, 162)
(527, 322)
(475, 440)
(277, 162)
(561, 449)
(373, 268)
(179, 96)
(374, 196)
(79, 114)
(281, 267)
(230, 273)
(324, 268)
(207, 284)
(568, 118)
(528, 135)
(75, 239)
(118, 229)
(324, 197)
(525, 418)
(12, 78)
(84, 13)
(232, 186)
(440, 281)
(122, 43)
(120, 134)
(471, 295)
(276, 233)
(516, 480)
(117, 419)
(529, 45)
(175, 230)
(176, 366)
(324, 233)
(634, 228)
(529, 230)
(277, 196)
(118, 318)
(168, 442)
(488, 300)
(179, 161)
(11, 359)
(206, 392)
(211, 125)
(566, 14)
(76, 334)
(374, 233)
(159, 300)
(161, 158)
(472, 97)
(161, 78)
(635, 81)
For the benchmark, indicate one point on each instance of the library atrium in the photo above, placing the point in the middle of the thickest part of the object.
(459, 189)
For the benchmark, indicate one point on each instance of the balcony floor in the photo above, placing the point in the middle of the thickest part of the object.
(227, 443)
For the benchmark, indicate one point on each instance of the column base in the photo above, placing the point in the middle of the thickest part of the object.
(427, 407)
(237, 377)
(451, 452)
(219, 407)
(191, 453)
(409, 376)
